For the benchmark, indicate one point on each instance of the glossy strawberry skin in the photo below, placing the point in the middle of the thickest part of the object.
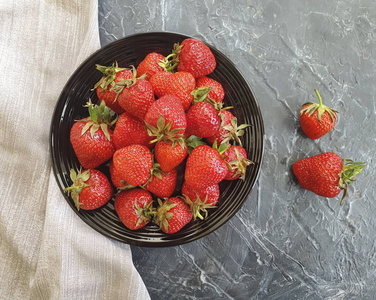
(217, 93)
(91, 152)
(171, 109)
(219, 136)
(160, 81)
(169, 157)
(202, 120)
(98, 193)
(134, 163)
(109, 96)
(116, 178)
(149, 65)
(163, 187)
(130, 130)
(137, 99)
(196, 58)
(211, 193)
(204, 167)
(126, 203)
(320, 174)
(181, 215)
(181, 84)
(231, 155)
(312, 127)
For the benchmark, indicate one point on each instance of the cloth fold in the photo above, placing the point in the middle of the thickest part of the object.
(46, 251)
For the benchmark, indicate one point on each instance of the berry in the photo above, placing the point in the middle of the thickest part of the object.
(326, 174)
(316, 120)
(134, 208)
(134, 163)
(172, 215)
(90, 189)
(91, 138)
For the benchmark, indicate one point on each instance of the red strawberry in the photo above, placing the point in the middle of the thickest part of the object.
(228, 130)
(316, 120)
(166, 118)
(134, 208)
(202, 120)
(169, 154)
(91, 138)
(172, 215)
(135, 95)
(236, 157)
(134, 163)
(162, 184)
(210, 193)
(216, 92)
(181, 84)
(160, 81)
(326, 174)
(90, 189)
(116, 178)
(130, 130)
(111, 75)
(196, 58)
(150, 65)
(204, 167)
(200, 200)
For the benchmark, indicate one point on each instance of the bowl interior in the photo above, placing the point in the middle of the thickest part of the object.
(131, 51)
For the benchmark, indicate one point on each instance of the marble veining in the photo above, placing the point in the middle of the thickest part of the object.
(285, 242)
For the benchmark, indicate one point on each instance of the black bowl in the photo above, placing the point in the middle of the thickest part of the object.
(130, 51)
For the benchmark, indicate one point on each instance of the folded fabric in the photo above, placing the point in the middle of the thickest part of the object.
(46, 251)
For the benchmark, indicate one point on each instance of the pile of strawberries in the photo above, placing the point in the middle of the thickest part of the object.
(155, 120)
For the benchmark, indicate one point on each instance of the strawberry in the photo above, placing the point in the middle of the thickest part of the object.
(210, 193)
(200, 200)
(166, 118)
(196, 58)
(172, 215)
(135, 95)
(134, 208)
(162, 184)
(90, 189)
(116, 178)
(316, 120)
(236, 157)
(111, 75)
(134, 163)
(326, 174)
(91, 138)
(181, 84)
(202, 120)
(150, 65)
(130, 130)
(205, 167)
(160, 81)
(169, 154)
(216, 92)
(228, 130)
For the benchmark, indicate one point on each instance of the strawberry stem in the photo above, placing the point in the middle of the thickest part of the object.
(318, 96)
(349, 170)
(321, 109)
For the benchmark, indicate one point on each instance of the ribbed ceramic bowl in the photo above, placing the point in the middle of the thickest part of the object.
(130, 51)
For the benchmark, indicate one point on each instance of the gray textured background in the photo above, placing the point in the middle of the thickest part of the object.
(285, 243)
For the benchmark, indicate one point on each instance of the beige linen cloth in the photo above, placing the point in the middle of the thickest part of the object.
(46, 251)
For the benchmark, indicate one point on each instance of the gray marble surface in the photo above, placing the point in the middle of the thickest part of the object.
(285, 242)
